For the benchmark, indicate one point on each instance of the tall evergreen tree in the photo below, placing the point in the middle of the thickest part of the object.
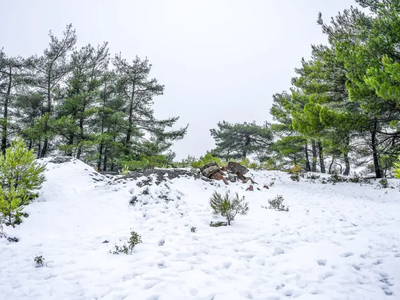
(239, 140)
(137, 91)
(11, 75)
(48, 72)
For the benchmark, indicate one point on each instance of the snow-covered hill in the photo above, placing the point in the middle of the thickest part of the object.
(336, 242)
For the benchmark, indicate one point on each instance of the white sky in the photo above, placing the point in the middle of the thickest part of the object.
(218, 59)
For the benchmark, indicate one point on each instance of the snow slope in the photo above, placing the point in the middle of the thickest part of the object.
(337, 241)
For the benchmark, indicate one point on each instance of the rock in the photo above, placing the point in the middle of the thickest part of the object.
(211, 164)
(133, 200)
(235, 167)
(232, 177)
(218, 176)
(13, 239)
(61, 159)
(210, 171)
(206, 179)
(223, 169)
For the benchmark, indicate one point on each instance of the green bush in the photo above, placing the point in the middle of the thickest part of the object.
(384, 183)
(208, 158)
(39, 260)
(277, 204)
(134, 240)
(228, 207)
(396, 170)
(20, 177)
(144, 162)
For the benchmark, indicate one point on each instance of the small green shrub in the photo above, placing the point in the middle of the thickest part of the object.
(124, 171)
(144, 162)
(39, 260)
(295, 177)
(218, 224)
(277, 204)
(384, 183)
(396, 170)
(134, 240)
(228, 207)
(313, 177)
(335, 178)
(208, 158)
(355, 178)
(20, 176)
(127, 248)
(120, 249)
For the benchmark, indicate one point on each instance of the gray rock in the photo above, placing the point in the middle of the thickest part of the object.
(235, 167)
(210, 171)
(211, 164)
(232, 177)
(61, 159)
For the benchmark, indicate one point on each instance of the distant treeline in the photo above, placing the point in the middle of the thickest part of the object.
(82, 103)
(344, 104)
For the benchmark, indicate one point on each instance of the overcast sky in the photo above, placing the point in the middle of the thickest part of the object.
(218, 59)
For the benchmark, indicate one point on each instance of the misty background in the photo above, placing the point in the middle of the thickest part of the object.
(219, 60)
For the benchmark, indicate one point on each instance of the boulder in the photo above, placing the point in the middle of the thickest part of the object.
(210, 171)
(235, 168)
(211, 164)
(232, 177)
(218, 176)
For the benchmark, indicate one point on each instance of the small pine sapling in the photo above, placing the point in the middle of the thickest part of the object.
(20, 176)
(384, 183)
(39, 260)
(277, 204)
(228, 207)
(134, 240)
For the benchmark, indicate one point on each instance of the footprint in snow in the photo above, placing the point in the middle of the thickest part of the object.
(378, 262)
(327, 275)
(347, 254)
(321, 262)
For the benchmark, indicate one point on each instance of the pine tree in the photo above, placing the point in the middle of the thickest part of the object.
(20, 177)
(239, 140)
(48, 71)
(137, 91)
(88, 66)
(11, 76)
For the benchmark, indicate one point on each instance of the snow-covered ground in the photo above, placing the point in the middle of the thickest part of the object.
(336, 242)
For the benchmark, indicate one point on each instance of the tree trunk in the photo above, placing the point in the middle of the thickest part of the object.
(321, 157)
(5, 114)
(378, 173)
(246, 145)
(39, 148)
(105, 159)
(314, 157)
(332, 162)
(130, 121)
(308, 168)
(46, 124)
(79, 151)
(347, 163)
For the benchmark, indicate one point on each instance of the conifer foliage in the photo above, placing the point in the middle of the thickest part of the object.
(227, 206)
(81, 103)
(20, 177)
